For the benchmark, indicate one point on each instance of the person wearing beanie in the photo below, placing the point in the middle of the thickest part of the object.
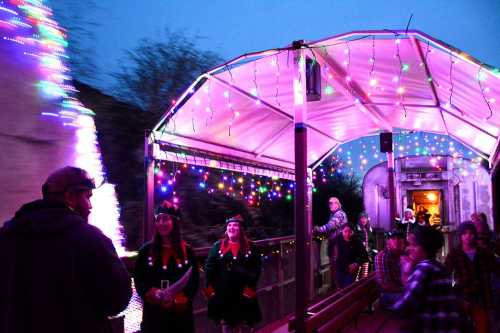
(162, 262)
(58, 273)
(429, 302)
(233, 269)
(472, 268)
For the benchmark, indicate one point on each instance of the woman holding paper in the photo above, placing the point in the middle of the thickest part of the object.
(232, 270)
(166, 277)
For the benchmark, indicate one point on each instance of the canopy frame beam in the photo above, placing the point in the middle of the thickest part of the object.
(359, 97)
(266, 104)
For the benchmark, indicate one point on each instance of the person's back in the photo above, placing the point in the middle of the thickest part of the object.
(58, 273)
(429, 299)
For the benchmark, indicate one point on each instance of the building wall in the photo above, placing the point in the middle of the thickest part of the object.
(376, 196)
(463, 192)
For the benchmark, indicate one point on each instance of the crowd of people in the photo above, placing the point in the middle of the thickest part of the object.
(61, 274)
(459, 294)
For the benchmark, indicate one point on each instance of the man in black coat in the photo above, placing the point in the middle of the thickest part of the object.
(58, 273)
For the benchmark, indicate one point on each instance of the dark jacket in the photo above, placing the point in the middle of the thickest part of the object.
(406, 227)
(58, 274)
(367, 237)
(473, 277)
(348, 253)
(229, 276)
(149, 273)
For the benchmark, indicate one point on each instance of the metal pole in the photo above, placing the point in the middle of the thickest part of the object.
(310, 270)
(494, 193)
(302, 238)
(392, 186)
(149, 188)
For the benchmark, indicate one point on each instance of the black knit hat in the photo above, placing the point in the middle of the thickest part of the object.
(166, 207)
(66, 179)
(430, 239)
(237, 218)
(363, 214)
(463, 227)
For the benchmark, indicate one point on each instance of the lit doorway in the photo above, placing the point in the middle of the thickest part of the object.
(427, 205)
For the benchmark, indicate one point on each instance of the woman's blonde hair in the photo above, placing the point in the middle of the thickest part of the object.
(336, 200)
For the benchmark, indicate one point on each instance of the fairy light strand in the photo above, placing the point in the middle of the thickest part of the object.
(452, 83)
(277, 79)
(482, 92)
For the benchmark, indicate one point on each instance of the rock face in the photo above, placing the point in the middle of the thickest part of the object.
(120, 132)
(42, 125)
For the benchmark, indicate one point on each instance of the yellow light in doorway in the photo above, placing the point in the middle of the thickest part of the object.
(431, 196)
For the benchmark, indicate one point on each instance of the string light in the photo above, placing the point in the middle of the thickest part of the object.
(481, 77)
(406, 143)
(452, 84)
(33, 32)
(402, 68)
(277, 64)
(250, 188)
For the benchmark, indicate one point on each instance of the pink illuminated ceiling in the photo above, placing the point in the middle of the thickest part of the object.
(370, 82)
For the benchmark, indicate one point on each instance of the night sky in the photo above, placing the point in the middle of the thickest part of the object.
(231, 28)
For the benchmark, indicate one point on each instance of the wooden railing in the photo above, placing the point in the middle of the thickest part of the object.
(276, 289)
(341, 308)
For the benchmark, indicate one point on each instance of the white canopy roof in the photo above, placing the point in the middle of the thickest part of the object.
(371, 81)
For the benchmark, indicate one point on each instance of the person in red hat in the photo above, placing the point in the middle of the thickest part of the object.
(163, 264)
(58, 273)
(232, 270)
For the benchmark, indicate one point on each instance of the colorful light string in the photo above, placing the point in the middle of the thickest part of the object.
(241, 186)
(28, 26)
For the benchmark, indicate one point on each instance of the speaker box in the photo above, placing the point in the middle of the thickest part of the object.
(386, 142)
(313, 80)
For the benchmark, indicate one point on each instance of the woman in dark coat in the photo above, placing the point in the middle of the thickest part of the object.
(233, 269)
(160, 264)
(350, 255)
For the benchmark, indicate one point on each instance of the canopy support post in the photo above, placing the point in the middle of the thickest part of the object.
(302, 223)
(392, 186)
(149, 188)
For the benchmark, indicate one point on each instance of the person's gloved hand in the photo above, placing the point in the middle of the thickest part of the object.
(180, 303)
(208, 292)
(353, 268)
(153, 296)
(249, 292)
